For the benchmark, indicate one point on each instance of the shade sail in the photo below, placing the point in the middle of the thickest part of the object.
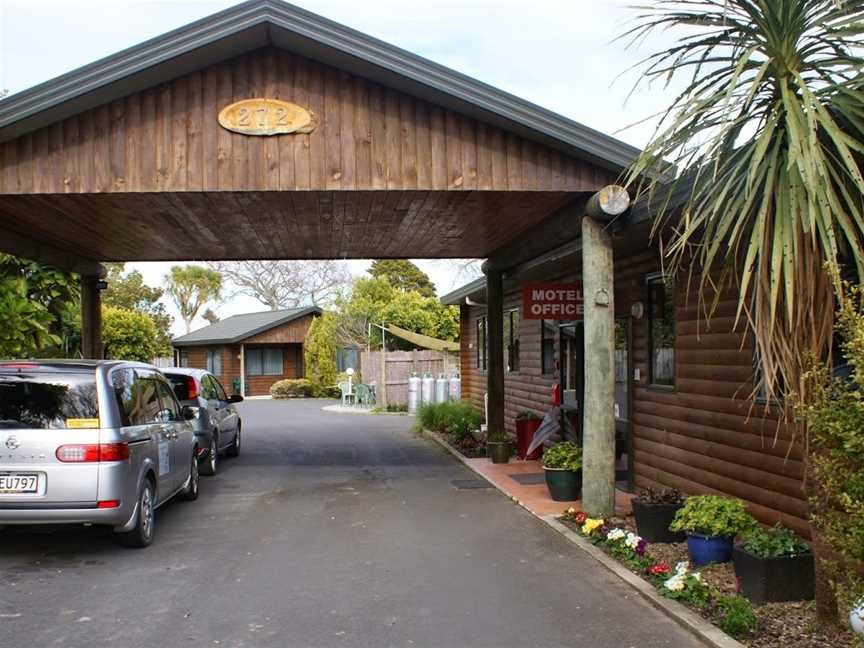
(423, 341)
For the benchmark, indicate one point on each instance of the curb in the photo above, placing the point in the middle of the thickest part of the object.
(707, 633)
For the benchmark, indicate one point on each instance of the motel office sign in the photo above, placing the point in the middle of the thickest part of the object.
(553, 301)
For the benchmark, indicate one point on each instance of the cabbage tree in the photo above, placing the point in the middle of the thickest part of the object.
(764, 138)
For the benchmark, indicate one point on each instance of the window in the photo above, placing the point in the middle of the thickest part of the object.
(547, 346)
(511, 340)
(43, 401)
(170, 410)
(184, 359)
(139, 398)
(264, 362)
(347, 357)
(220, 391)
(208, 388)
(661, 331)
(481, 344)
(214, 362)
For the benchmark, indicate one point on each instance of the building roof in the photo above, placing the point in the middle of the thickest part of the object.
(473, 289)
(239, 327)
(262, 23)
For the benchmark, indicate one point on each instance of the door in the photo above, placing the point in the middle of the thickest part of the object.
(229, 417)
(623, 403)
(572, 346)
(179, 436)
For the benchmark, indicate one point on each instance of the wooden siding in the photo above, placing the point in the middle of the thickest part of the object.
(167, 139)
(704, 436)
(291, 332)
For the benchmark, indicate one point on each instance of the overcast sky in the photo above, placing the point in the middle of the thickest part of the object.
(559, 54)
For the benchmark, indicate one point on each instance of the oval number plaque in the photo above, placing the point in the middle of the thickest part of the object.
(266, 117)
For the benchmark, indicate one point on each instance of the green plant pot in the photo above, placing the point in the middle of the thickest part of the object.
(564, 485)
(498, 451)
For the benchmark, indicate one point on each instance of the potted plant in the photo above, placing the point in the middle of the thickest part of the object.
(654, 510)
(527, 423)
(562, 464)
(711, 523)
(774, 565)
(498, 447)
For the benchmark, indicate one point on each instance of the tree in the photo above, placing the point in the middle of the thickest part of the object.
(129, 335)
(210, 316)
(128, 291)
(191, 287)
(403, 275)
(286, 284)
(319, 350)
(767, 135)
(26, 324)
(54, 304)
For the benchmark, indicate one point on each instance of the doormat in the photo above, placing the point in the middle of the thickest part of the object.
(470, 484)
(529, 479)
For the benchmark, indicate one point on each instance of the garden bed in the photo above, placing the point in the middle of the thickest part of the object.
(468, 447)
(790, 625)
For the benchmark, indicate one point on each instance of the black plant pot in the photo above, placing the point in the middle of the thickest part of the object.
(772, 580)
(498, 451)
(564, 485)
(653, 520)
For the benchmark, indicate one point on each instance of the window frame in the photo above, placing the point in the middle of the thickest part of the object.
(544, 338)
(261, 353)
(651, 280)
(210, 365)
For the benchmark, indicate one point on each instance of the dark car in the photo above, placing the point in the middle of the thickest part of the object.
(217, 423)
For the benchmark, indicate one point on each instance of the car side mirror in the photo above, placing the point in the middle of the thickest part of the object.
(235, 398)
(189, 413)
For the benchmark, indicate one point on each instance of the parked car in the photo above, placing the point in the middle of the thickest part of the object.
(92, 442)
(217, 423)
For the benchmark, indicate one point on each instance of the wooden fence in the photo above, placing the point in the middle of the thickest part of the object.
(398, 367)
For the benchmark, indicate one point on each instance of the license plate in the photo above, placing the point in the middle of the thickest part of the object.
(19, 483)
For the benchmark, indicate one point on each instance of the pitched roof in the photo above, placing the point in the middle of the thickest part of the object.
(239, 327)
(261, 23)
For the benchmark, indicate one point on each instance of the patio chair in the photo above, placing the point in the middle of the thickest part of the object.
(348, 395)
(364, 395)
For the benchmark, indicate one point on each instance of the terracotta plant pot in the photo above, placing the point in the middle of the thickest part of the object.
(525, 429)
(771, 580)
(564, 485)
(498, 451)
(653, 520)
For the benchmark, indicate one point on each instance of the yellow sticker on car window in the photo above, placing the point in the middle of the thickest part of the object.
(82, 423)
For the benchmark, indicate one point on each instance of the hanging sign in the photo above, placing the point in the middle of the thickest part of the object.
(266, 117)
(553, 301)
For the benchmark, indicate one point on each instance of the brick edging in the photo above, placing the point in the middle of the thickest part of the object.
(706, 632)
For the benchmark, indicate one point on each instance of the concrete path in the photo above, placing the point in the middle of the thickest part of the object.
(329, 530)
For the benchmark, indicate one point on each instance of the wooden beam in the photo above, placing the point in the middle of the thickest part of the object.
(34, 250)
(495, 351)
(561, 227)
(609, 202)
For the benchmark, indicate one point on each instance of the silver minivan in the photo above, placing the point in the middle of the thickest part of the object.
(92, 442)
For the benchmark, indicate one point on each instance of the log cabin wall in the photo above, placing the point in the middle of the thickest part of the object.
(705, 435)
(168, 138)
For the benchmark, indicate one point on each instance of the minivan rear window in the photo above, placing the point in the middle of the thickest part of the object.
(180, 385)
(48, 400)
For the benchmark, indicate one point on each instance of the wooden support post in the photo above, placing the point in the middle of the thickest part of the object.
(495, 351)
(243, 370)
(91, 316)
(598, 412)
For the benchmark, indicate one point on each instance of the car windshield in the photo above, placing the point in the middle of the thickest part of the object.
(48, 401)
(180, 385)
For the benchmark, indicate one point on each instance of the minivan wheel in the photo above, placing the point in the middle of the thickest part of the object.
(234, 448)
(142, 534)
(190, 493)
(209, 466)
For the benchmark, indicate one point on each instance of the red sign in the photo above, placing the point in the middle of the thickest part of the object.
(553, 301)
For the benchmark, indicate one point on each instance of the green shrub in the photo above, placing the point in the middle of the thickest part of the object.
(774, 543)
(528, 415)
(292, 388)
(563, 456)
(713, 515)
(458, 418)
(735, 616)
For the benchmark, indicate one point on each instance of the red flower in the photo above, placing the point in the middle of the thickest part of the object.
(659, 569)
(580, 517)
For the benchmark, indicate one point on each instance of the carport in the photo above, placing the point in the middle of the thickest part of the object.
(395, 156)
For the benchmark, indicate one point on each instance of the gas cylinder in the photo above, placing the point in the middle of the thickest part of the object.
(413, 393)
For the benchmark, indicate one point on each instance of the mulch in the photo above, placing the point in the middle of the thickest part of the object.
(781, 625)
(468, 447)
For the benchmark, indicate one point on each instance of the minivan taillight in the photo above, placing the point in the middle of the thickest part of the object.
(92, 452)
(191, 388)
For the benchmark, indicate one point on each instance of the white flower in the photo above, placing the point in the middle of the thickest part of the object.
(632, 540)
(675, 584)
(682, 568)
(615, 534)
(571, 511)
(697, 576)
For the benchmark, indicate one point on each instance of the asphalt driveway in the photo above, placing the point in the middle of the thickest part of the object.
(329, 530)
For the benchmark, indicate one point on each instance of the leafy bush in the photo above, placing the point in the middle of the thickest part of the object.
(319, 351)
(713, 515)
(563, 456)
(128, 335)
(774, 543)
(734, 615)
(659, 497)
(458, 418)
(292, 388)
